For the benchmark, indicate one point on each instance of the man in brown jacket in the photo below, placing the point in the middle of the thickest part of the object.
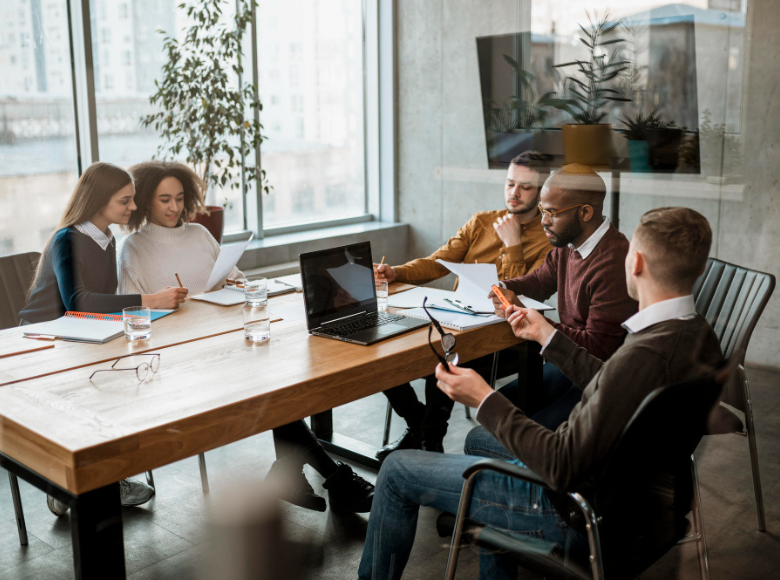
(668, 342)
(514, 240)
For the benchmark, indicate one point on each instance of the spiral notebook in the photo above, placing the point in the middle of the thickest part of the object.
(80, 327)
(227, 296)
(454, 320)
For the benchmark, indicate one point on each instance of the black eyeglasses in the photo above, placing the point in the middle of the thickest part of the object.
(142, 371)
(447, 342)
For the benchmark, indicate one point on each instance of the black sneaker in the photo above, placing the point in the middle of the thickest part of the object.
(348, 492)
(294, 488)
(409, 440)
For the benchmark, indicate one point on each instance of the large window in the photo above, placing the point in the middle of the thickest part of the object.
(310, 65)
(310, 68)
(38, 157)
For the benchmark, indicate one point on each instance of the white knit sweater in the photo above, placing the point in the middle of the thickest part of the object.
(149, 259)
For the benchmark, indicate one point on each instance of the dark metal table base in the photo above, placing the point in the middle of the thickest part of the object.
(96, 524)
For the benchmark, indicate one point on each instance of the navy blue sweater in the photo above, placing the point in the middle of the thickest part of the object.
(76, 274)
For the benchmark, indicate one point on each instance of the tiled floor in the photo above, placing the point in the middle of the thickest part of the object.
(166, 538)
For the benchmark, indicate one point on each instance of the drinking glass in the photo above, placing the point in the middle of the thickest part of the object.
(257, 323)
(256, 292)
(138, 322)
(381, 294)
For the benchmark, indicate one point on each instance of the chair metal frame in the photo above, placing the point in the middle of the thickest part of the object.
(749, 325)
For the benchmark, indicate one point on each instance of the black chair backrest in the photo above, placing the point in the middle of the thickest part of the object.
(645, 489)
(732, 299)
(16, 275)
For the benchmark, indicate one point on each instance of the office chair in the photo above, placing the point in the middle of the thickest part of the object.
(732, 299)
(635, 511)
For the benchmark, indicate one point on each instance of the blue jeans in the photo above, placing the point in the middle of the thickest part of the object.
(410, 479)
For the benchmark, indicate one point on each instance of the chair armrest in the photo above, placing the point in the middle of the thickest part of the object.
(505, 468)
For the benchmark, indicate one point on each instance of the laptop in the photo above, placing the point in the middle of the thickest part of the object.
(340, 297)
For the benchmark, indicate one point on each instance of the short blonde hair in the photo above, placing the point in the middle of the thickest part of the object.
(676, 242)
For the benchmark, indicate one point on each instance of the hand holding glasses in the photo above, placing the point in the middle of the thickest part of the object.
(142, 371)
(447, 341)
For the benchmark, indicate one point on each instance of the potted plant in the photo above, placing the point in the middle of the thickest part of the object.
(636, 135)
(589, 141)
(519, 119)
(206, 112)
(663, 146)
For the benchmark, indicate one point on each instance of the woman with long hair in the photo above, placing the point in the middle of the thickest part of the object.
(163, 243)
(77, 270)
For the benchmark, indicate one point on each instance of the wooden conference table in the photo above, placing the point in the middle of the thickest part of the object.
(75, 438)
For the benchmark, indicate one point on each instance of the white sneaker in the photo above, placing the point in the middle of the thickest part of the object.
(56, 506)
(134, 493)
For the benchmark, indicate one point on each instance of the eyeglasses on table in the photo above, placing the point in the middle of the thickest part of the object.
(142, 371)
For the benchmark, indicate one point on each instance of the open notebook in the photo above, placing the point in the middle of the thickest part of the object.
(80, 327)
(454, 320)
(231, 295)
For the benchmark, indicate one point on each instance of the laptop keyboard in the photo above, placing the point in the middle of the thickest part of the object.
(365, 322)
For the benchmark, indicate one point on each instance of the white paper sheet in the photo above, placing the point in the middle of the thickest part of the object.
(228, 258)
(289, 312)
(474, 283)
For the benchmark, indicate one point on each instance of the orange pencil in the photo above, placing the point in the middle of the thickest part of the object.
(500, 295)
(179, 280)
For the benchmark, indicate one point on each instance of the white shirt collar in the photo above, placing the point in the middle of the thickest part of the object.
(682, 307)
(91, 230)
(590, 244)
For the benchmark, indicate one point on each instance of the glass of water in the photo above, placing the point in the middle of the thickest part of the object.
(381, 294)
(138, 322)
(256, 292)
(257, 323)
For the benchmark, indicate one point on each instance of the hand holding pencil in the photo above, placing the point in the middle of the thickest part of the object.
(384, 272)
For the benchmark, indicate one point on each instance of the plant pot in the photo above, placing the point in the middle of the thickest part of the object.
(214, 221)
(637, 154)
(588, 144)
(663, 148)
(510, 145)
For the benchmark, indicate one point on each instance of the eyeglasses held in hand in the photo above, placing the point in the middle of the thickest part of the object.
(447, 342)
(142, 371)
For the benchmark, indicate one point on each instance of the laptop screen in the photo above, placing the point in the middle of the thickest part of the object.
(338, 282)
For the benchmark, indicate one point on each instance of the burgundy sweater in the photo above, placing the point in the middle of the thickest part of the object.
(593, 300)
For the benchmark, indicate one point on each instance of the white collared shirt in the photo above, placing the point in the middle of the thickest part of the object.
(674, 308)
(590, 244)
(94, 232)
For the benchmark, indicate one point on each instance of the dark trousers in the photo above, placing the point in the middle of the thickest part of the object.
(558, 396)
(298, 444)
(431, 418)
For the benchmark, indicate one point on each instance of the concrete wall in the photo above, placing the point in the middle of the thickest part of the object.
(442, 164)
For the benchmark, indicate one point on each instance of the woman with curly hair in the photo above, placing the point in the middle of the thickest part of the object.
(163, 242)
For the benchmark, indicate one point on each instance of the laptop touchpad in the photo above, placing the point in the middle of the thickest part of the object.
(390, 328)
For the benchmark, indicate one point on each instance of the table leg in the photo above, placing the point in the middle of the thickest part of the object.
(98, 541)
(341, 445)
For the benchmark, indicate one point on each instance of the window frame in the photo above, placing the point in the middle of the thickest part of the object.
(378, 20)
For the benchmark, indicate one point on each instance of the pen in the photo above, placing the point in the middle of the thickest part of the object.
(285, 283)
(40, 336)
(179, 280)
(383, 261)
(26, 351)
